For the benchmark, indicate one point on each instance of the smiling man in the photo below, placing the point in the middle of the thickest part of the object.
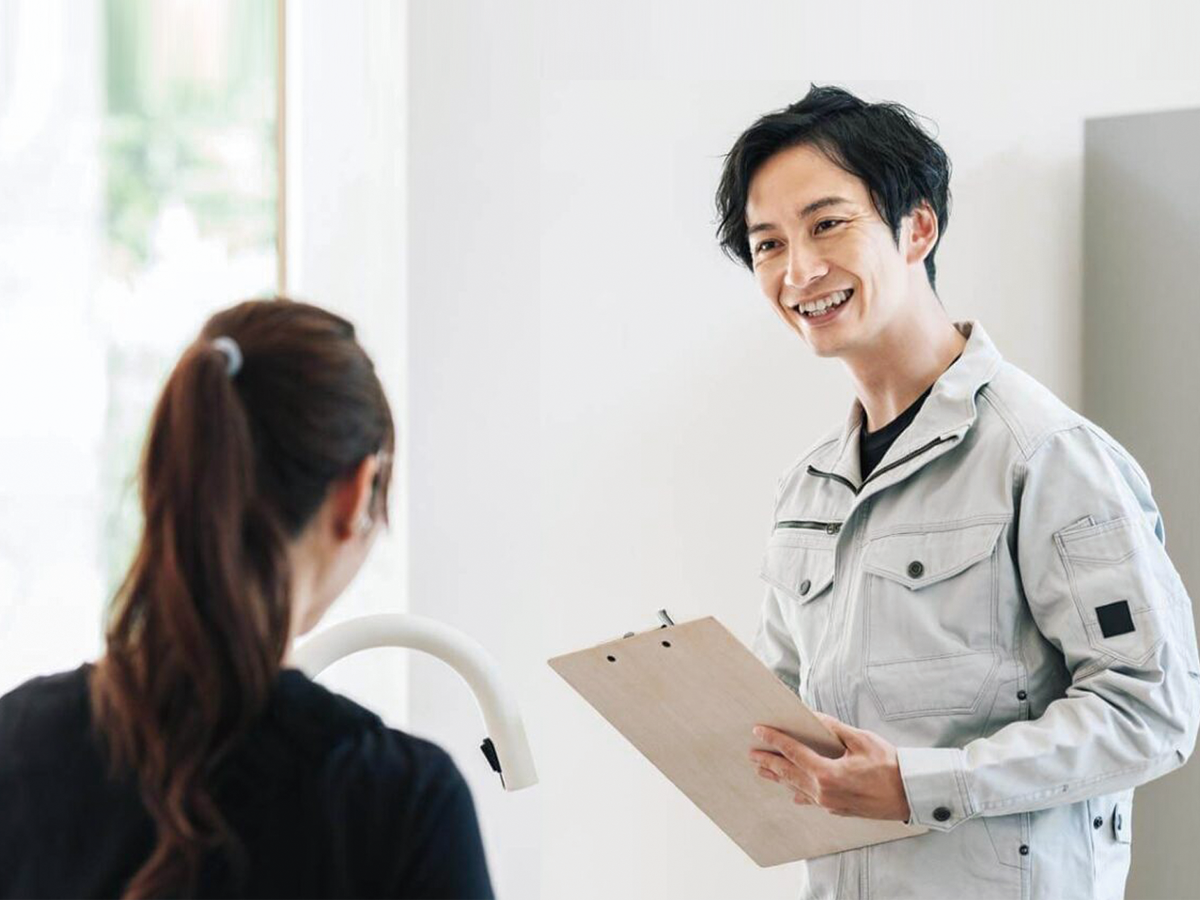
(966, 579)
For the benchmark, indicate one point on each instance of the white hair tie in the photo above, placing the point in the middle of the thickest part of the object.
(232, 351)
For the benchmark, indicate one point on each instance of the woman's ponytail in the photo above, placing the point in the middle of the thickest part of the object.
(234, 465)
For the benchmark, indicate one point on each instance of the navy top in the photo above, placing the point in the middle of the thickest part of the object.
(873, 445)
(326, 800)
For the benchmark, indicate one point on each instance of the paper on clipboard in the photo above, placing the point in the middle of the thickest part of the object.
(687, 696)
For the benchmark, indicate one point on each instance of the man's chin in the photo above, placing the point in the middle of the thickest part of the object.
(823, 345)
(827, 352)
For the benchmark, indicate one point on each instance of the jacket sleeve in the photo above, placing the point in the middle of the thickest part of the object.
(1093, 566)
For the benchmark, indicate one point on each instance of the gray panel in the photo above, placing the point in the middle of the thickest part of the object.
(1141, 383)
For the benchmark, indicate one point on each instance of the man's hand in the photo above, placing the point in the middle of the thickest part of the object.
(864, 781)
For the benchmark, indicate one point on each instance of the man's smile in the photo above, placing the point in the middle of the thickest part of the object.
(824, 307)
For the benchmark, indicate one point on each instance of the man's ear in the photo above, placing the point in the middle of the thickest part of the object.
(922, 233)
(352, 497)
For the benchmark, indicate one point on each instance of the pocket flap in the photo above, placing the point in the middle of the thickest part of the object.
(799, 568)
(1109, 542)
(923, 558)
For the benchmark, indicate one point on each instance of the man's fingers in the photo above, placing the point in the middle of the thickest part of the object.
(865, 782)
(847, 734)
(785, 771)
(777, 765)
(798, 794)
(791, 748)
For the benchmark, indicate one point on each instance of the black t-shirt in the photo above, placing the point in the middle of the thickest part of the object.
(326, 800)
(874, 445)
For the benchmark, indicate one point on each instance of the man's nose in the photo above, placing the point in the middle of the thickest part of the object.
(804, 266)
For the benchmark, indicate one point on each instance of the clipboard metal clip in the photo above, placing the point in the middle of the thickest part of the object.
(664, 618)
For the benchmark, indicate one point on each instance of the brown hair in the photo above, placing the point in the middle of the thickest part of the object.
(234, 467)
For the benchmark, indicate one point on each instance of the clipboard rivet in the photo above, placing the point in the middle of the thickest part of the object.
(612, 659)
(666, 643)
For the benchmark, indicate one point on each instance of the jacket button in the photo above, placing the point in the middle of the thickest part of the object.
(1023, 849)
(915, 569)
(1098, 821)
(805, 585)
(941, 814)
(1021, 695)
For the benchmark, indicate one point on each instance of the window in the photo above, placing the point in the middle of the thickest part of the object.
(138, 188)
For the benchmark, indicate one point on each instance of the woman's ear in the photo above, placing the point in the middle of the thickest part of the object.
(352, 496)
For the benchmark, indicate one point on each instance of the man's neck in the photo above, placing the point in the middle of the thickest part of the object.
(909, 357)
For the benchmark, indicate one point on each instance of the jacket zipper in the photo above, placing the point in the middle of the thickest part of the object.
(901, 461)
(827, 527)
(837, 705)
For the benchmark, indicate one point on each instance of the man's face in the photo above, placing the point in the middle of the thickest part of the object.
(814, 234)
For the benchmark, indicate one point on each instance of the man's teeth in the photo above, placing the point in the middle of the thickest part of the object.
(832, 300)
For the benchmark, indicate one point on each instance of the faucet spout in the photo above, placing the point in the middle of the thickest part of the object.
(510, 754)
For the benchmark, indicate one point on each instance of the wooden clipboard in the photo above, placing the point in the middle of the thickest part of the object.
(687, 696)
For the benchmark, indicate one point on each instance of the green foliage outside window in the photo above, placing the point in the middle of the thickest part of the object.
(188, 128)
(190, 118)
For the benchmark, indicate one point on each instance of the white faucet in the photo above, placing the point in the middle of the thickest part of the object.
(505, 746)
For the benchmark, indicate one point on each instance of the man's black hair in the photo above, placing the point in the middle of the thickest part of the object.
(880, 143)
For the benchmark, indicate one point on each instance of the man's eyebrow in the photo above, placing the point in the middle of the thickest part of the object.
(821, 204)
(804, 213)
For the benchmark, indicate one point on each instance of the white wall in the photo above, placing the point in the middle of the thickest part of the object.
(601, 403)
(473, 424)
(346, 135)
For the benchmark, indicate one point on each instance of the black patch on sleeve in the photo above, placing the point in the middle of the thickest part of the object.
(1115, 618)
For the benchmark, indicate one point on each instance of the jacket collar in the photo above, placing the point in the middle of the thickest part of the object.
(949, 410)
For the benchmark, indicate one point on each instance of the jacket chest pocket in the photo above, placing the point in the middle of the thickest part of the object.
(929, 611)
(800, 563)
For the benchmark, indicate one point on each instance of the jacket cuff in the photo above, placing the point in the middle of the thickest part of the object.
(935, 784)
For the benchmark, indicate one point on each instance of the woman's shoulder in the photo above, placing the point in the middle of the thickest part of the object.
(347, 736)
(405, 816)
(58, 687)
(35, 715)
(365, 763)
(393, 760)
(319, 718)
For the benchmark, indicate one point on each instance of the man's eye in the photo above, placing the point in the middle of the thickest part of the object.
(827, 222)
(764, 245)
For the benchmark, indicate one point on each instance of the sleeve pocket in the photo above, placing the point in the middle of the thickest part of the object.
(1118, 588)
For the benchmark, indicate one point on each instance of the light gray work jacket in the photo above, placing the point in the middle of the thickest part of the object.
(996, 600)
